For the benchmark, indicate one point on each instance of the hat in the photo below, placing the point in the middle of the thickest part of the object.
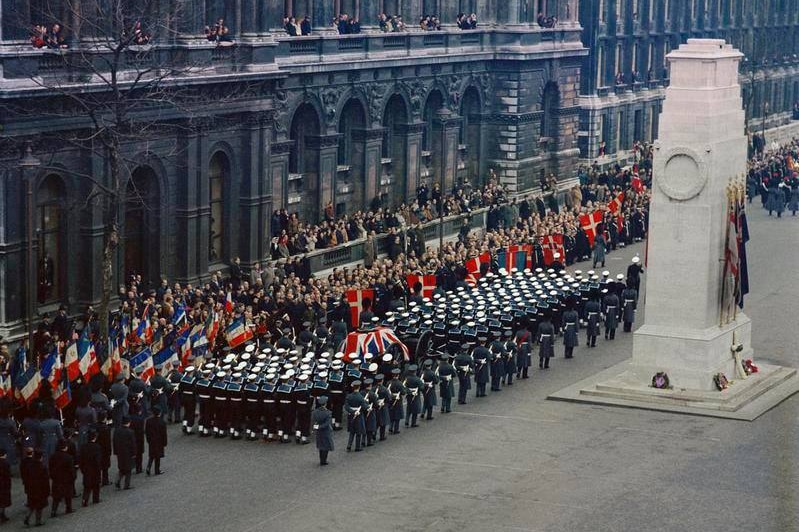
(355, 384)
(387, 357)
(120, 377)
(321, 400)
(636, 259)
(249, 348)
(620, 277)
(188, 369)
(395, 371)
(427, 363)
(372, 367)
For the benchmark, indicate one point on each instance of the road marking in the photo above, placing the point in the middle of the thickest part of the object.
(514, 418)
(661, 433)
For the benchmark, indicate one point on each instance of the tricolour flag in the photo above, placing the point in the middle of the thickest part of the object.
(62, 393)
(48, 369)
(590, 224)
(428, 283)
(163, 359)
(113, 364)
(5, 386)
(28, 384)
(183, 344)
(356, 298)
(179, 318)
(72, 361)
(229, 303)
(211, 327)
(143, 361)
(238, 333)
(145, 330)
(87, 358)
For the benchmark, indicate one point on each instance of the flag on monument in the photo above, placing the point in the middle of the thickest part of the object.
(428, 283)
(743, 238)
(355, 298)
(238, 333)
(590, 224)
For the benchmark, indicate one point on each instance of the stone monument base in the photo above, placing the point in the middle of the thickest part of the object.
(745, 399)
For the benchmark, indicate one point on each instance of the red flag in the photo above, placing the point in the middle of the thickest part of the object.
(590, 223)
(473, 267)
(615, 205)
(552, 244)
(636, 183)
(355, 299)
(428, 283)
(72, 362)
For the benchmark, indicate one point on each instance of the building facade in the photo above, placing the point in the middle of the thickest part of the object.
(625, 73)
(257, 122)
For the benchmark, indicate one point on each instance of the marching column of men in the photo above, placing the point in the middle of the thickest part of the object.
(266, 392)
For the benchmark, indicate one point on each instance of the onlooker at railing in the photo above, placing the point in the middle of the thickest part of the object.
(39, 36)
(346, 25)
(429, 23)
(55, 38)
(546, 22)
(140, 37)
(619, 78)
(383, 23)
(292, 28)
(218, 33)
(305, 26)
(466, 22)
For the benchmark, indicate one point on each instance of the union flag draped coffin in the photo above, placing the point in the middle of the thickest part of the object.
(375, 341)
(356, 298)
(590, 224)
(428, 283)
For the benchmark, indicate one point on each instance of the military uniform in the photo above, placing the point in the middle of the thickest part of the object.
(570, 327)
(203, 387)
(497, 361)
(430, 380)
(610, 305)
(593, 311)
(269, 407)
(524, 341)
(383, 403)
(628, 305)
(252, 406)
(322, 420)
(396, 409)
(446, 387)
(355, 406)
(302, 401)
(464, 364)
(336, 379)
(413, 398)
(546, 343)
(481, 372)
(187, 398)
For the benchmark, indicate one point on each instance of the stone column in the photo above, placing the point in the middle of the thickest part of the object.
(320, 190)
(192, 21)
(279, 171)
(366, 165)
(450, 129)
(413, 156)
(202, 190)
(253, 242)
(249, 15)
(187, 211)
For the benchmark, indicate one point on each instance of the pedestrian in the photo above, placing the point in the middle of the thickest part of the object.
(90, 462)
(125, 451)
(155, 432)
(322, 420)
(36, 483)
(5, 485)
(62, 474)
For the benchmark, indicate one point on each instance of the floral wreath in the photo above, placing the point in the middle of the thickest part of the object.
(749, 367)
(721, 382)
(661, 381)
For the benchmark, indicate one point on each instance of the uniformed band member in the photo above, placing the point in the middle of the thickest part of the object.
(322, 420)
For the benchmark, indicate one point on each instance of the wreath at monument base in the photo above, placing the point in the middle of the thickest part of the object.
(749, 367)
(661, 381)
(721, 382)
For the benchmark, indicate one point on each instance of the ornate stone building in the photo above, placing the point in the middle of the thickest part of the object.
(625, 73)
(270, 121)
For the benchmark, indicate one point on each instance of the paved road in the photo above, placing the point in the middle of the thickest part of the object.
(512, 461)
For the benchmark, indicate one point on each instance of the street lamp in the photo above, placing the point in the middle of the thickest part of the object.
(27, 165)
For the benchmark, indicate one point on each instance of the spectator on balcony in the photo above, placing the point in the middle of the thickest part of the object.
(292, 28)
(650, 75)
(546, 22)
(218, 33)
(619, 78)
(305, 26)
(472, 21)
(383, 23)
(342, 23)
(39, 36)
(140, 37)
(397, 24)
(636, 77)
(796, 111)
(55, 37)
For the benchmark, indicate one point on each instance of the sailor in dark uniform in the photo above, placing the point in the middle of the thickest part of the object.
(396, 410)
(634, 271)
(236, 405)
(252, 406)
(355, 405)
(285, 406)
(302, 404)
(173, 394)
(481, 372)
(370, 413)
(220, 401)
(269, 407)
(497, 361)
(510, 356)
(187, 396)
(322, 420)
(203, 387)
(336, 379)
(593, 311)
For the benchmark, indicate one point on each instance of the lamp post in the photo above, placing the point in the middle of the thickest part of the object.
(27, 165)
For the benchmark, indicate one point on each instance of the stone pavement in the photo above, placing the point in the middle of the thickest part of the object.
(512, 461)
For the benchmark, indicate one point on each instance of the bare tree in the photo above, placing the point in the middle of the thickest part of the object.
(112, 83)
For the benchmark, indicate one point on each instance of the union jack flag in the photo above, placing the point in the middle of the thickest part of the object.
(375, 341)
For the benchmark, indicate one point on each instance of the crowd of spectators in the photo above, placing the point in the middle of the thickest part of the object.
(391, 23)
(219, 33)
(466, 22)
(545, 21)
(429, 23)
(53, 38)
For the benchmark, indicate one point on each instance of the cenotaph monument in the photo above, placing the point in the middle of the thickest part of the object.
(686, 335)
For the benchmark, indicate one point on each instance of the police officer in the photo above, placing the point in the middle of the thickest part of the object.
(430, 379)
(355, 406)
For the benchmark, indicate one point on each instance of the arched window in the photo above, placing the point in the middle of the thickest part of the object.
(51, 232)
(218, 172)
